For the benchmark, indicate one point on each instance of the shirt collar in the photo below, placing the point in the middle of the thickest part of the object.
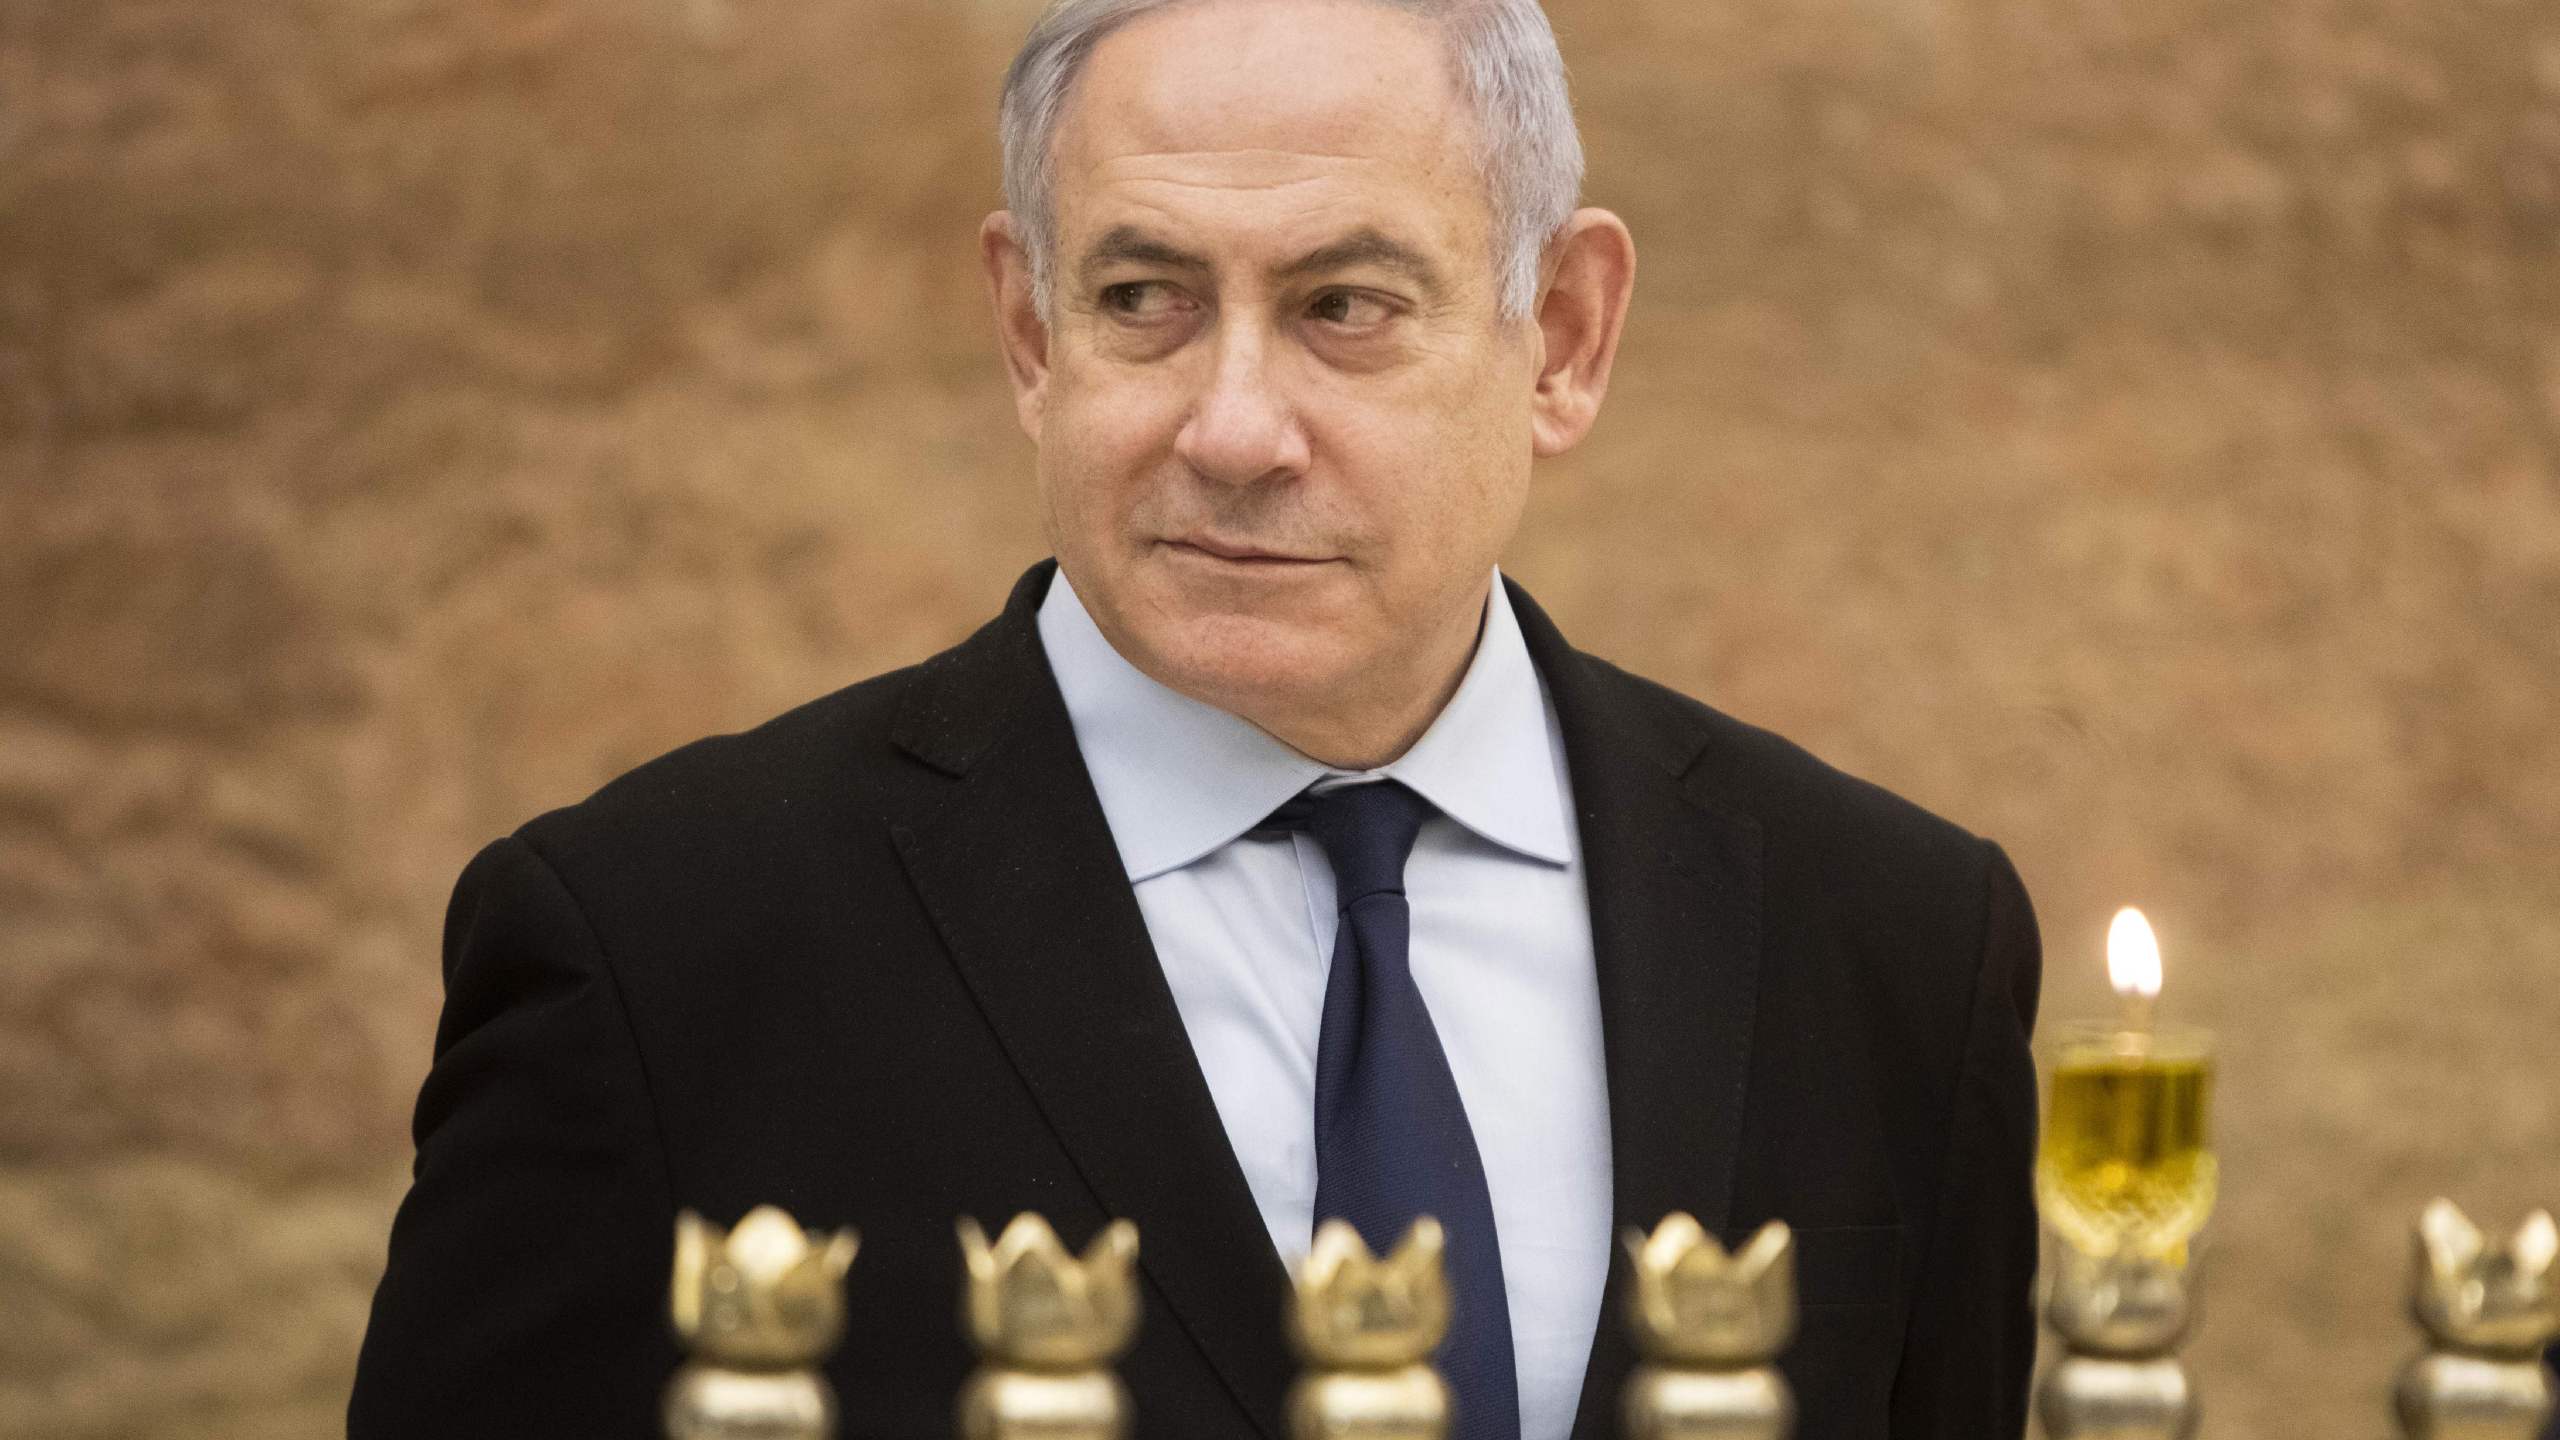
(1178, 779)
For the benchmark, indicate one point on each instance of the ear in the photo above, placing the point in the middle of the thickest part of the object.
(1022, 332)
(1591, 268)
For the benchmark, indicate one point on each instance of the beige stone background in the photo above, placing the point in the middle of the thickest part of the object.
(2131, 427)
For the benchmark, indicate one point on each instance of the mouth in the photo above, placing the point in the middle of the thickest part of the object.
(1236, 554)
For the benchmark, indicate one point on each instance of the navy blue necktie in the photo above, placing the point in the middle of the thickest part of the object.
(1392, 1139)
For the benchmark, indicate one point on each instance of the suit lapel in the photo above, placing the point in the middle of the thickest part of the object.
(1675, 891)
(1021, 876)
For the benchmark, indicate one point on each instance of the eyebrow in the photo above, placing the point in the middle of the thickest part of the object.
(1364, 246)
(1128, 244)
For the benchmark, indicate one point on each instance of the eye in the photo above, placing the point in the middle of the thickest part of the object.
(1139, 299)
(1352, 309)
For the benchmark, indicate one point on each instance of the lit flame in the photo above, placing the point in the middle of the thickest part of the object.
(2133, 956)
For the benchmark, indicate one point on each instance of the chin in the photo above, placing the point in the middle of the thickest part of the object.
(1245, 664)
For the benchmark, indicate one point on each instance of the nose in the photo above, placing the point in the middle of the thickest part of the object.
(1242, 427)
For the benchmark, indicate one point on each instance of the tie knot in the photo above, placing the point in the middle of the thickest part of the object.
(1367, 832)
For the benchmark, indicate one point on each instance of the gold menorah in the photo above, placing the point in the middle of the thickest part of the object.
(760, 1306)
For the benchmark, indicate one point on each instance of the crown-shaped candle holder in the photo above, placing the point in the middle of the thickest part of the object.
(2121, 1316)
(1047, 1326)
(1365, 1328)
(1709, 1327)
(757, 1309)
(2487, 1307)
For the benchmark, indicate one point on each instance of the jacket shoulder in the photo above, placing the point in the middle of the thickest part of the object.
(1773, 784)
(1773, 773)
(1813, 817)
(822, 762)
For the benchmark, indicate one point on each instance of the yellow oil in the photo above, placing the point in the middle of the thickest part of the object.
(2125, 1161)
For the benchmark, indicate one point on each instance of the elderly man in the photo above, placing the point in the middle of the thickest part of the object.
(1268, 859)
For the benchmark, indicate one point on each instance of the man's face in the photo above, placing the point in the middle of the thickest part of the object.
(1283, 432)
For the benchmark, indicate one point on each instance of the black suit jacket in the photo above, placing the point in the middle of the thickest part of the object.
(2551, 1357)
(877, 962)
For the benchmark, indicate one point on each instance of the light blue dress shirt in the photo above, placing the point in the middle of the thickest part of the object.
(1501, 950)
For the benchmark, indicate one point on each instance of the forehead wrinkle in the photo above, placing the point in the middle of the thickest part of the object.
(1147, 217)
(1246, 152)
(1159, 183)
(1239, 170)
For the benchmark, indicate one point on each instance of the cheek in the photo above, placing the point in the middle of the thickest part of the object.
(1101, 436)
(1442, 469)
(1487, 443)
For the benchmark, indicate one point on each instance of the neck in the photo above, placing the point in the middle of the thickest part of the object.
(1360, 740)
(1365, 727)
(1359, 723)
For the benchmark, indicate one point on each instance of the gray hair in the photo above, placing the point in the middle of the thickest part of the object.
(1508, 70)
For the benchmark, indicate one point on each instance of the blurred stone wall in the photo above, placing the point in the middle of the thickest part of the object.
(2131, 427)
